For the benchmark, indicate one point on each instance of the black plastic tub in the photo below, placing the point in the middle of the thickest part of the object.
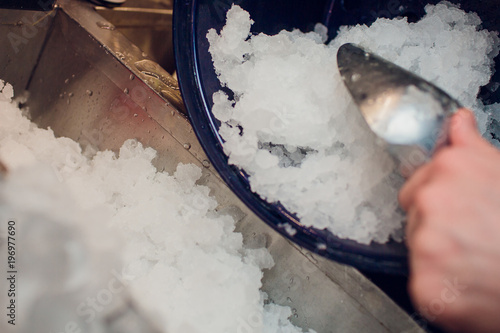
(198, 81)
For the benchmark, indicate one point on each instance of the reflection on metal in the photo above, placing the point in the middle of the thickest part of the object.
(409, 114)
(137, 21)
(147, 24)
(22, 34)
(158, 79)
(96, 87)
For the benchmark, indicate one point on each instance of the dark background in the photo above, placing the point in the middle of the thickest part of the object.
(28, 4)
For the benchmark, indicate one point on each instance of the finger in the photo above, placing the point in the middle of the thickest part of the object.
(407, 192)
(463, 129)
(412, 223)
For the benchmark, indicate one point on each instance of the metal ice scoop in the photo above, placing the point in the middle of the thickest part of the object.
(408, 114)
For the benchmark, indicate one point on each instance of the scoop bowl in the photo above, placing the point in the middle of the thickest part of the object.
(408, 114)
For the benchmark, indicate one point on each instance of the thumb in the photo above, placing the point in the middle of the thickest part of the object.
(463, 129)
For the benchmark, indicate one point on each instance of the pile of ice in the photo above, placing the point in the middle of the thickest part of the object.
(293, 128)
(181, 260)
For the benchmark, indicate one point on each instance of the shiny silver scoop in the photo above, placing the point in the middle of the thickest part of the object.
(408, 114)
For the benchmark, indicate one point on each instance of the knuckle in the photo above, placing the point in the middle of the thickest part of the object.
(451, 160)
(423, 201)
(444, 160)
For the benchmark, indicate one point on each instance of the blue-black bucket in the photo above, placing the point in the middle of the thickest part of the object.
(198, 81)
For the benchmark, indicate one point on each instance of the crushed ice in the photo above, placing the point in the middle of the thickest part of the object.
(181, 261)
(293, 127)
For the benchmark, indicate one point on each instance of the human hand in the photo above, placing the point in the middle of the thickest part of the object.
(453, 232)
